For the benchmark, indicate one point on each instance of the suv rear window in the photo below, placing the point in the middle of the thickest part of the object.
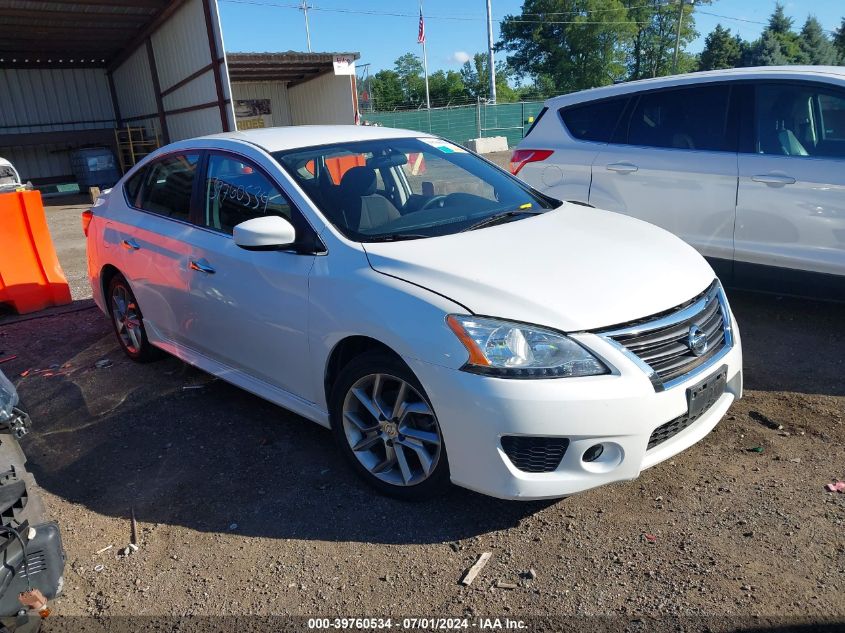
(594, 121)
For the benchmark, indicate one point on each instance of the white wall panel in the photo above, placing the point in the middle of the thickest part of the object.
(325, 99)
(38, 161)
(200, 90)
(133, 84)
(67, 99)
(275, 91)
(181, 45)
(196, 123)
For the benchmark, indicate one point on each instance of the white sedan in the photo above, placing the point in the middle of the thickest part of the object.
(445, 320)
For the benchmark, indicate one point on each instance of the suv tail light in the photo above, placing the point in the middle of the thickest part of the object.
(522, 157)
(87, 216)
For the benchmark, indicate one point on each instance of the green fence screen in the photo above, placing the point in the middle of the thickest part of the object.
(459, 124)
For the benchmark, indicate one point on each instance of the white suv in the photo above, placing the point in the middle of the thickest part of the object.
(746, 165)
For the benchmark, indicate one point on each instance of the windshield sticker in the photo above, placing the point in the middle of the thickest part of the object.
(444, 146)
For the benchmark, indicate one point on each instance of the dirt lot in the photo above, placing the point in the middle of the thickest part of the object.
(244, 508)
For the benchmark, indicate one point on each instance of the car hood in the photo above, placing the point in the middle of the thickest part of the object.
(574, 268)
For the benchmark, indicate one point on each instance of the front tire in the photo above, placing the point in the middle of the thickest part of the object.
(128, 322)
(386, 427)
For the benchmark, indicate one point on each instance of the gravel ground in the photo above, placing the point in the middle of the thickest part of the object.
(244, 508)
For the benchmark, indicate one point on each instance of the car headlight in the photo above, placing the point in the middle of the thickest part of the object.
(516, 350)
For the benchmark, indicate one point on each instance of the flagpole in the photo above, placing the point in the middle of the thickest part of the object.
(425, 64)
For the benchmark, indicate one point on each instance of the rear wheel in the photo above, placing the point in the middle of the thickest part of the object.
(128, 322)
(385, 425)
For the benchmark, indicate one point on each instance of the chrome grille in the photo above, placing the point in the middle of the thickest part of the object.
(662, 345)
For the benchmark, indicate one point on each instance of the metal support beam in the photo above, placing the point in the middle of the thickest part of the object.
(215, 55)
(162, 118)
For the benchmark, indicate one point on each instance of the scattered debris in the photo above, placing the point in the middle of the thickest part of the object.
(233, 526)
(189, 387)
(755, 449)
(765, 421)
(650, 538)
(133, 528)
(99, 568)
(500, 584)
(104, 549)
(133, 547)
(8, 358)
(35, 600)
(839, 486)
(103, 363)
(531, 574)
(473, 571)
(795, 460)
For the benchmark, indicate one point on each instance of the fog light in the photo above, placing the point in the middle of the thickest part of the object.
(593, 453)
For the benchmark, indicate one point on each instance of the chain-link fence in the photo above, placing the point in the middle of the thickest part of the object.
(461, 123)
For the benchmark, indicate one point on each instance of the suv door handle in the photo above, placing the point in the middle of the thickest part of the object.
(201, 266)
(774, 179)
(622, 168)
(130, 244)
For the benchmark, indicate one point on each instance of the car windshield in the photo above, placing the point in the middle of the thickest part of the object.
(408, 188)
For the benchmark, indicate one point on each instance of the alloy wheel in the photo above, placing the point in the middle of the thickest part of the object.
(127, 319)
(391, 429)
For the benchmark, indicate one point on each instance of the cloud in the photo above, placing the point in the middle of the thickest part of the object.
(459, 57)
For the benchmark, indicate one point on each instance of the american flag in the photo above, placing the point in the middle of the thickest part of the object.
(421, 34)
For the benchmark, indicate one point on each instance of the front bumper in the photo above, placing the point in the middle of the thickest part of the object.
(620, 411)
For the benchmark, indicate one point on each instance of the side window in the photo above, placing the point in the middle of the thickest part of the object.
(693, 118)
(168, 184)
(792, 119)
(133, 186)
(593, 121)
(235, 191)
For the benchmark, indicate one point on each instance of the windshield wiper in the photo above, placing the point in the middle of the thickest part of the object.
(498, 218)
(395, 237)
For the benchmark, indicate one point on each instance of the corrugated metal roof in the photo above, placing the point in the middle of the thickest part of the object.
(68, 34)
(291, 66)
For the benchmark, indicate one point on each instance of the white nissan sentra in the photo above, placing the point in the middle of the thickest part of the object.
(445, 320)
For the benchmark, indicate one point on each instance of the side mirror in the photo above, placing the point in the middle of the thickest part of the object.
(267, 233)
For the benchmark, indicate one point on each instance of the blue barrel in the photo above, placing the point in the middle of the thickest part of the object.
(94, 167)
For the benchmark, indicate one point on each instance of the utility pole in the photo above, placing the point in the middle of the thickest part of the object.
(678, 37)
(491, 63)
(304, 8)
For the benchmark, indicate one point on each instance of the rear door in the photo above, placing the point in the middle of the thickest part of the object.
(149, 239)
(790, 232)
(672, 161)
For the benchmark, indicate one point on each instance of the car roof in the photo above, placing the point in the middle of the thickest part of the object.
(758, 72)
(274, 139)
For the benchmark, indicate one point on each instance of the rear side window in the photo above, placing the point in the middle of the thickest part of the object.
(168, 185)
(133, 186)
(593, 121)
(693, 118)
(536, 120)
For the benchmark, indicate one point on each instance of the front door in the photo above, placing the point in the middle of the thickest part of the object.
(672, 162)
(790, 229)
(249, 309)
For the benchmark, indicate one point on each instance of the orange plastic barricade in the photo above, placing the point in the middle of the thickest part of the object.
(31, 278)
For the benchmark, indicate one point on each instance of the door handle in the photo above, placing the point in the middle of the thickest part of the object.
(201, 266)
(130, 244)
(622, 168)
(774, 179)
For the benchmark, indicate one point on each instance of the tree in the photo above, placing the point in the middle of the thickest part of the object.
(575, 43)
(839, 41)
(409, 69)
(767, 51)
(817, 49)
(387, 91)
(476, 78)
(721, 50)
(446, 87)
(780, 26)
(653, 47)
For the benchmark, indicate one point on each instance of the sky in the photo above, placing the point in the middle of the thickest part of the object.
(382, 30)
